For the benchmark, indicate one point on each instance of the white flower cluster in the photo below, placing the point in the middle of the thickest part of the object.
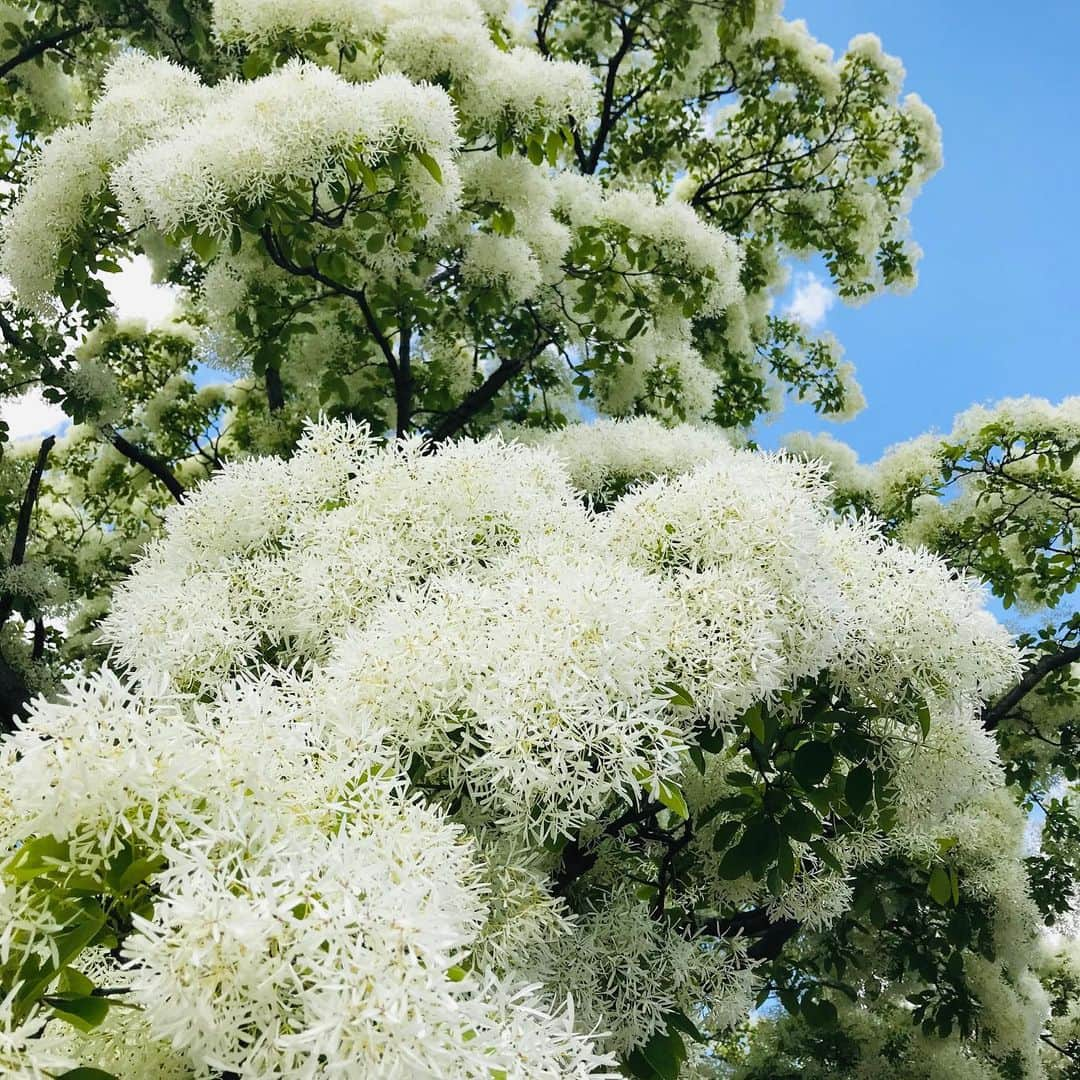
(140, 97)
(606, 458)
(628, 971)
(343, 661)
(311, 910)
(178, 153)
(429, 41)
(841, 463)
(501, 260)
(702, 251)
(283, 129)
(530, 194)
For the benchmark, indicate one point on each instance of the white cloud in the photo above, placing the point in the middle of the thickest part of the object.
(811, 300)
(30, 414)
(134, 294)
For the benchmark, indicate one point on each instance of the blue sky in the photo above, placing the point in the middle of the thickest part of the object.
(997, 309)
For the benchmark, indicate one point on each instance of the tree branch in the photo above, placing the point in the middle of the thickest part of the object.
(1060, 1049)
(14, 693)
(22, 528)
(475, 402)
(278, 256)
(772, 941)
(993, 714)
(43, 45)
(22, 524)
(275, 392)
(771, 936)
(589, 162)
(155, 466)
(577, 861)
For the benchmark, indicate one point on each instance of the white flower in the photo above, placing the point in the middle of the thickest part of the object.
(281, 130)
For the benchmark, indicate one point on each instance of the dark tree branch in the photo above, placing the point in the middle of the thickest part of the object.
(993, 714)
(22, 528)
(771, 936)
(1060, 1049)
(41, 46)
(14, 693)
(589, 162)
(278, 256)
(772, 941)
(155, 466)
(578, 861)
(22, 523)
(543, 21)
(475, 402)
(275, 392)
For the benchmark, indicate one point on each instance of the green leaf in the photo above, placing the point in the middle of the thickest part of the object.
(785, 861)
(39, 856)
(681, 1022)
(725, 833)
(74, 982)
(924, 717)
(940, 887)
(739, 779)
(431, 165)
(84, 1013)
(711, 741)
(139, 871)
(824, 853)
(639, 1067)
(84, 1072)
(665, 1052)
(812, 763)
(672, 797)
(254, 65)
(698, 758)
(800, 823)
(205, 246)
(859, 787)
(676, 694)
(735, 863)
(755, 721)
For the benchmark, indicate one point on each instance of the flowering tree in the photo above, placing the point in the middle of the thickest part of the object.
(424, 751)
(414, 747)
(428, 217)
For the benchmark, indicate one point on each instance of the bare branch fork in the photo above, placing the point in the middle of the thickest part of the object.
(398, 371)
